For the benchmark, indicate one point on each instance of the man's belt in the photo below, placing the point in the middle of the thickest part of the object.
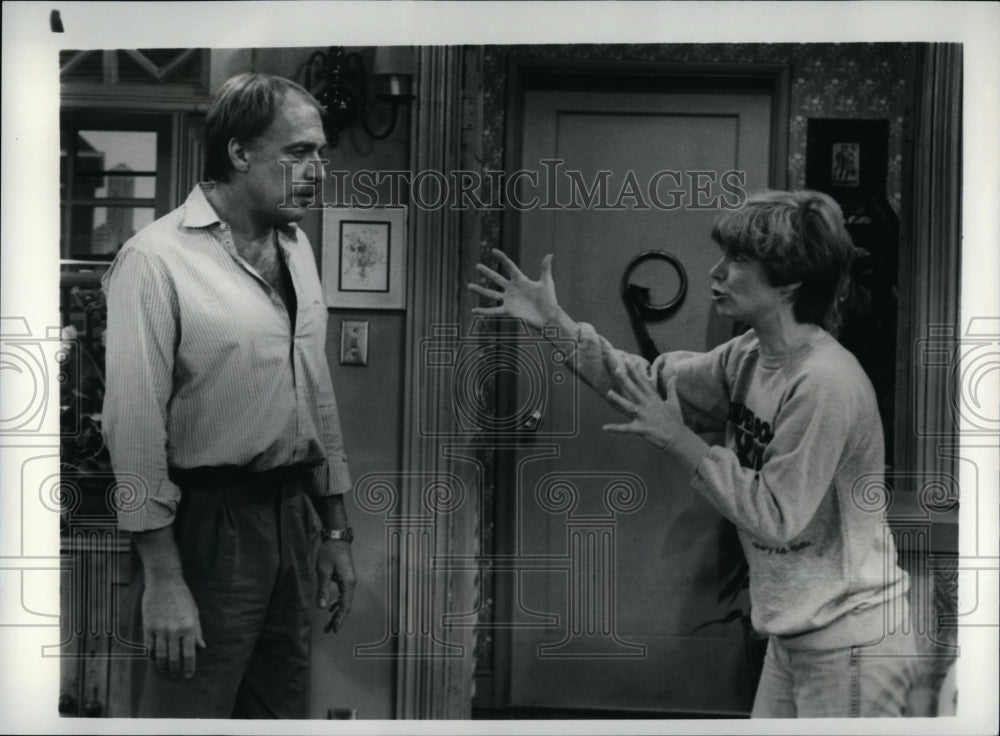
(220, 476)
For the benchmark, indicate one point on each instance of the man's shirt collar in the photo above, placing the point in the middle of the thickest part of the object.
(199, 212)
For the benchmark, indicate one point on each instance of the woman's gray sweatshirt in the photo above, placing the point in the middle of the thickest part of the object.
(801, 476)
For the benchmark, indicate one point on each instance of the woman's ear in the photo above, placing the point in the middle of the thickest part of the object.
(788, 291)
(239, 155)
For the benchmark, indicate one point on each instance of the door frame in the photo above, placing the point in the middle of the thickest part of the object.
(530, 74)
(437, 503)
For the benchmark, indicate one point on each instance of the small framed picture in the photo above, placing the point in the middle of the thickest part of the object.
(848, 159)
(364, 257)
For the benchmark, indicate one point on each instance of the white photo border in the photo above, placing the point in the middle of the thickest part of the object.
(30, 266)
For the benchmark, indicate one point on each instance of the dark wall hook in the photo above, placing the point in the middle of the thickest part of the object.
(637, 303)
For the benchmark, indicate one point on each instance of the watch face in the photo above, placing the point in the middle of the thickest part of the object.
(345, 535)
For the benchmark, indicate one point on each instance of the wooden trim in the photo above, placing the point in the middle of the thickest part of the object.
(144, 63)
(156, 94)
(930, 268)
(781, 76)
(160, 74)
(134, 202)
(189, 157)
(110, 65)
(178, 62)
(80, 95)
(535, 73)
(435, 671)
(75, 61)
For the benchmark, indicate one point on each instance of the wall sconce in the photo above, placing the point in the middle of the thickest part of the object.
(339, 81)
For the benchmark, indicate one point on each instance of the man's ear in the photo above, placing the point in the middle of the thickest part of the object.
(239, 155)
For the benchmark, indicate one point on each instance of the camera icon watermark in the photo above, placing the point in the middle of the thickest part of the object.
(968, 363)
(36, 370)
(545, 404)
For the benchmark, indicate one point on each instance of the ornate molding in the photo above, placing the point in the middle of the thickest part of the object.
(930, 263)
(435, 661)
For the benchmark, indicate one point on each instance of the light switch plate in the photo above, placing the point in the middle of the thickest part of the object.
(353, 342)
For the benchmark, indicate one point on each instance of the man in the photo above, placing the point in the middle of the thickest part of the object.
(219, 401)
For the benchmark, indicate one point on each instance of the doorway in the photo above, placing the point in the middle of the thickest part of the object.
(609, 611)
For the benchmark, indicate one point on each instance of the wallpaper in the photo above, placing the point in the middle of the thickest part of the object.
(828, 80)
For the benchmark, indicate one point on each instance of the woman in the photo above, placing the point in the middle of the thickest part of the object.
(804, 450)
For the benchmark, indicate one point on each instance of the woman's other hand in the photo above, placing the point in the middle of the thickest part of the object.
(656, 420)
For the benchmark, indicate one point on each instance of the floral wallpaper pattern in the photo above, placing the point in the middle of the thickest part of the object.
(829, 80)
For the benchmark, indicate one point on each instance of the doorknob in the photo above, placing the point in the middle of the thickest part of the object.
(533, 421)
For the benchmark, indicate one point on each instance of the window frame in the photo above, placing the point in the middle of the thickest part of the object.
(71, 122)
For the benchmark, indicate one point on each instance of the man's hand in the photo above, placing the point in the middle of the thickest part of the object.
(518, 296)
(335, 564)
(171, 628)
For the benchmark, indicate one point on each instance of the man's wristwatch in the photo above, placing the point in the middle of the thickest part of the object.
(344, 535)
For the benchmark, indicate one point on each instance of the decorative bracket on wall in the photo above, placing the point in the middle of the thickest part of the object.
(340, 82)
(636, 298)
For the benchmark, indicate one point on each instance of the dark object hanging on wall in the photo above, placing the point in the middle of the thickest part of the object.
(847, 159)
(636, 299)
(869, 311)
(339, 81)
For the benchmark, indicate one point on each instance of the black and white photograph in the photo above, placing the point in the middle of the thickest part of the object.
(584, 367)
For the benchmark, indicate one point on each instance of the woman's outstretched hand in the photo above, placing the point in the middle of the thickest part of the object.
(658, 421)
(518, 296)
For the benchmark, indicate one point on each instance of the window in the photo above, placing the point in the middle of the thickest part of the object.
(113, 180)
(146, 67)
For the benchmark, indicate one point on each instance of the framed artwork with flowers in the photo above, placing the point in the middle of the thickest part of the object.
(364, 257)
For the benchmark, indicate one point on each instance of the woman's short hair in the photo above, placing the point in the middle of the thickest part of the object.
(244, 108)
(797, 237)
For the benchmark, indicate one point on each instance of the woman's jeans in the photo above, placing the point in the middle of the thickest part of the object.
(865, 680)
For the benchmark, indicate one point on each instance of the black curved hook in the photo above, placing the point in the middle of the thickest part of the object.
(636, 299)
(655, 312)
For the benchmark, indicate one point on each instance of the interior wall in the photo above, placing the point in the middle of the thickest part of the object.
(370, 400)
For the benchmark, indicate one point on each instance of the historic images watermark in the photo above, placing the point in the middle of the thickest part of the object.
(468, 367)
(43, 362)
(551, 186)
(468, 364)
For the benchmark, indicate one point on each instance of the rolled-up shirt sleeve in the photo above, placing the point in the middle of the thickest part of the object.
(141, 343)
(332, 477)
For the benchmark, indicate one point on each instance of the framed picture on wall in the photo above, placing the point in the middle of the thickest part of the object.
(364, 258)
(847, 159)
